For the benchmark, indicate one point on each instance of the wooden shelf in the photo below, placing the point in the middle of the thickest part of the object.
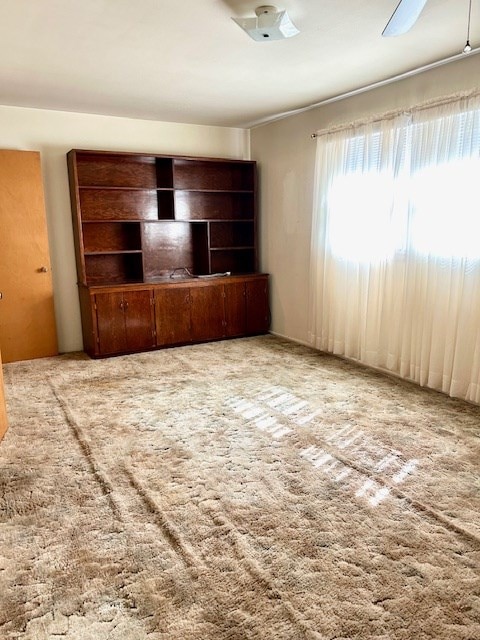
(127, 203)
(113, 267)
(248, 248)
(138, 218)
(108, 253)
(232, 233)
(170, 245)
(214, 191)
(101, 236)
(115, 204)
(233, 260)
(211, 205)
(213, 175)
(81, 187)
(102, 169)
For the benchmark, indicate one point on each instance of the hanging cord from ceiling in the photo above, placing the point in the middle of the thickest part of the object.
(468, 47)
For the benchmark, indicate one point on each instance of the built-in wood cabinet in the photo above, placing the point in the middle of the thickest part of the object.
(187, 228)
(172, 316)
(137, 217)
(148, 316)
(256, 307)
(124, 321)
(207, 315)
(235, 305)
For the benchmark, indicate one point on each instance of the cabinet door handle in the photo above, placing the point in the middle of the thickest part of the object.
(125, 305)
(121, 305)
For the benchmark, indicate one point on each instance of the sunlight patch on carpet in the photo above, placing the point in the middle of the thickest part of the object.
(279, 411)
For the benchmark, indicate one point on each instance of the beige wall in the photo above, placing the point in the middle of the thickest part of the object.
(53, 133)
(286, 156)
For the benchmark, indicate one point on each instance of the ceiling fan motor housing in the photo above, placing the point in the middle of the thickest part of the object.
(270, 24)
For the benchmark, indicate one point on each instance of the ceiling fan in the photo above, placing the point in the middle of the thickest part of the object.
(404, 17)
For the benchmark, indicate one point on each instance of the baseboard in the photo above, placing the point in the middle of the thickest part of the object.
(304, 344)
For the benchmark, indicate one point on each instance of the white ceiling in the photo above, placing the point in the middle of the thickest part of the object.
(187, 61)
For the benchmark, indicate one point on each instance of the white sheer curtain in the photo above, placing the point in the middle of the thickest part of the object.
(395, 262)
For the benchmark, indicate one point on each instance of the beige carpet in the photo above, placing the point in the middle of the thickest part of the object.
(242, 489)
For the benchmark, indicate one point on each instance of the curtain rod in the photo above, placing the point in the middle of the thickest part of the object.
(364, 89)
(389, 115)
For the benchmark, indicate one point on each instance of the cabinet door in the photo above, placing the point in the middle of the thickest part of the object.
(235, 312)
(172, 316)
(139, 325)
(124, 321)
(258, 314)
(111, 335)
(207, 312)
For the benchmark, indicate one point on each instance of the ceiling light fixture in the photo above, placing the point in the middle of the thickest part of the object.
(468, 47)
(270, 24)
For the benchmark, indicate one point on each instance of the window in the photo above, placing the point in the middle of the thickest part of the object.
(395, 262)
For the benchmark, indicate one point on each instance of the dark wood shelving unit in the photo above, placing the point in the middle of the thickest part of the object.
(140, 219)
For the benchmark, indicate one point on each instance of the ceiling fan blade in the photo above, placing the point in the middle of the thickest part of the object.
(404, 17)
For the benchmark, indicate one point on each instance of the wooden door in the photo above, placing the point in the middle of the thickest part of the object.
(27, 320)
(139, 326)
(172, 316)
(112, 337)
(207, 312)
(258, 314)
(235, 316)
(3, 410)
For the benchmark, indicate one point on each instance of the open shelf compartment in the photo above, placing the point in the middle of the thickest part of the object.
(111, 236)
(231, 234)
(233, 260)
(116, 170)
(113, 268)
(174, 245)
(106, 204)
(195, 205)
(212, 175)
